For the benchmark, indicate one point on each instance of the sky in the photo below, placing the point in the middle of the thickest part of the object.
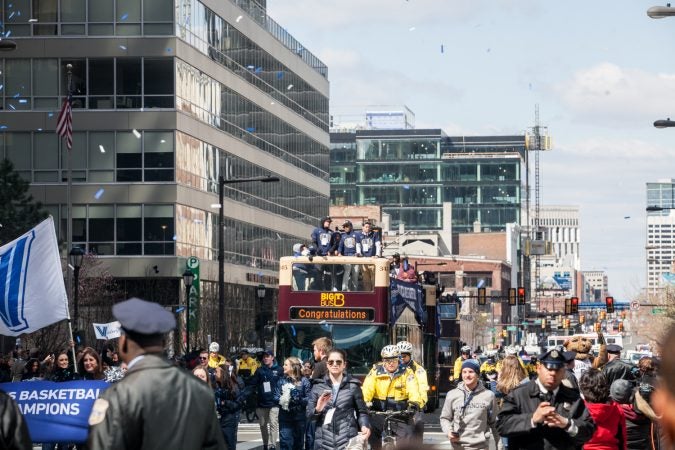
(600, 72)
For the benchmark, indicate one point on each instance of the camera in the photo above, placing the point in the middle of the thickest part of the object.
(645, 390)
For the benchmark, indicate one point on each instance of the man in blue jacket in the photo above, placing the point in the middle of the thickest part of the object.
(324, 238)
(265, 379)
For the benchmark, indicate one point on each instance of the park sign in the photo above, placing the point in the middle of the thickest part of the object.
(192, 264)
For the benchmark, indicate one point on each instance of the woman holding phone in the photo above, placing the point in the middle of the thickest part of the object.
(336, 405)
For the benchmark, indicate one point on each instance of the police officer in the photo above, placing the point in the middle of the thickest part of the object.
(617, 369)
(390, 387)
(420, 374)
(464, 354)
(156, 405)
(545, 414)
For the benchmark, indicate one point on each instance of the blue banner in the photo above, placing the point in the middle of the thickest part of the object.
(56, 412)
(405, 295)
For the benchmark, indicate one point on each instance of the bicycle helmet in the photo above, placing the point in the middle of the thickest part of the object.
(405, 347)
(390, 351)
(465, 349)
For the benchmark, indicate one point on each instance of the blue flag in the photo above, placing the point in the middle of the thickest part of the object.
(406, 295)
(56, 412)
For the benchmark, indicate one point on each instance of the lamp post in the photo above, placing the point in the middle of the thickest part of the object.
(188, 278)
(76, 256)
(221, 246)
(659, 12)
(7, 45)
(261, 291)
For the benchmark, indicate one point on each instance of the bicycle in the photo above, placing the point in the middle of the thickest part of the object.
(389, 436)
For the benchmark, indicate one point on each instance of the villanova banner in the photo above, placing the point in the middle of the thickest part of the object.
(56, 412)
(404, 294)
(32, 291)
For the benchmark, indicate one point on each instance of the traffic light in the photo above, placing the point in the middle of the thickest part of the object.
(513, 297)
(568, 306)
(543, 324)
(602, 315)
(609, 303)
(582, 319)
(505, 333)
(596, 326)
(620, 326)
(521, 295)
(569, 323)
(482, 296)
(564, 323)
(575, 305)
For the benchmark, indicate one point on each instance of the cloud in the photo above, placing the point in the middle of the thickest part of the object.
(613, 96)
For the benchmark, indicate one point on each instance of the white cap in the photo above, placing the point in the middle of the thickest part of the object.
(214, 347)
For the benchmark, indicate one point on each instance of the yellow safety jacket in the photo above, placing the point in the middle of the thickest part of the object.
(247, 367)
(457, 371)
(391, 391)
(422, 381)
(216, 361)
(487, 369)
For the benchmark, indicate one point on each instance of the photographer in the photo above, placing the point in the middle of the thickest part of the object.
(544, 413)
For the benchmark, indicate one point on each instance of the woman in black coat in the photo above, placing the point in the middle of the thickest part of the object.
(336, 405)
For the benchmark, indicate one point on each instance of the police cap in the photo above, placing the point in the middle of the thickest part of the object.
(140, 317)
(553, 359)
(613, 348)
(569, 356)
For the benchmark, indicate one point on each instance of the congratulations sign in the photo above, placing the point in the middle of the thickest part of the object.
(332, 314)
(56, 412)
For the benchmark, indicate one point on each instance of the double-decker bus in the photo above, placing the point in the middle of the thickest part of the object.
(347, 299)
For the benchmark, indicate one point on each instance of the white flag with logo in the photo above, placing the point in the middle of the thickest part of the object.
(107, 330)
(32, 291)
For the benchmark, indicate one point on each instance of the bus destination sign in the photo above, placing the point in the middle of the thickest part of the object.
(332, 314)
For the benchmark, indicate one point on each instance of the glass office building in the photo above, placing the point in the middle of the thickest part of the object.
(168, 96)
(411, 173)
(660, 235)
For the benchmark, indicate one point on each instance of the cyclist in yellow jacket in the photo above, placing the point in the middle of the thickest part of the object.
(246, 366)
(406, 349)
(465, 353)
(391, 387)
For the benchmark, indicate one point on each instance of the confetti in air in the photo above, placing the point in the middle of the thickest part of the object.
(123, 47)
(250, 129)
(99, 193)
(100, 147)
(136, 133)
(239, 18)
(124, 16)
(290, 86)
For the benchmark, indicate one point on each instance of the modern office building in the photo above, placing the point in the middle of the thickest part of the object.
(168, 96)
(412, 173)
(596, 286)
(660, 243)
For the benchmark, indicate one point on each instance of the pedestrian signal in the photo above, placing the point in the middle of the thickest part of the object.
(568, 306)
(609, 303)
(521, 295)
(575, 305)
(513, 297)
(482, 296)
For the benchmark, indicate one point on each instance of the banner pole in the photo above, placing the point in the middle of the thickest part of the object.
(72, 348)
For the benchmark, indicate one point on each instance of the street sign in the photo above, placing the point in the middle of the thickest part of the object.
(512, 328)
(658, 311)
(634, 305)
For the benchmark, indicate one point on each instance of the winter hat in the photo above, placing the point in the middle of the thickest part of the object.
(297, 248)
(471, 364)
(214, 347)
(621, 391)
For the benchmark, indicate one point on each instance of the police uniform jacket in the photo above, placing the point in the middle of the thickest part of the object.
(391, 392)
(155, 406)
(617, 369)
(422, 381)
(515, 419)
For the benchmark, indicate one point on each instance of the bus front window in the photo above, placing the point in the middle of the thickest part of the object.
(361, 342)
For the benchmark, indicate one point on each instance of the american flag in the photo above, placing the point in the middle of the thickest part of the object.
(64, 123)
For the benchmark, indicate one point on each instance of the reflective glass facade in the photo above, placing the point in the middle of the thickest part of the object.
(411, 173)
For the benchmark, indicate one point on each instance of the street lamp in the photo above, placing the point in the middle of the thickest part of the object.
(664, 123)
(188, 278)
(76, 256)
(261, 291)
(221, 245)
(7, 45)
(659, 12)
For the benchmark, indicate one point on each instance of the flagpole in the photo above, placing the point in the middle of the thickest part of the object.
(69, 225)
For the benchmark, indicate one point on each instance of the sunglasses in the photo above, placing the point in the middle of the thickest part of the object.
(203, 358)
(334, 362)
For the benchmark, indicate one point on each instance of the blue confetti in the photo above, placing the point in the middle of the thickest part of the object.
(11, 15)
(250, 129)
(258, 69)
(99, 193)
(3, 127)
(39, 129)
(174, 237)
(23, 100)
(124, 16)
(50, 114)
(180, 309)
(405, 186)
(8, 33)
(17, 95)
(123, 47)
(11, 106)
(1, 86)
(250, 67)
(168, 50)
(280, 75)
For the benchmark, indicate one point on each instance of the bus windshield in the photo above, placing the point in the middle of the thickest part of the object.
(361, 342)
